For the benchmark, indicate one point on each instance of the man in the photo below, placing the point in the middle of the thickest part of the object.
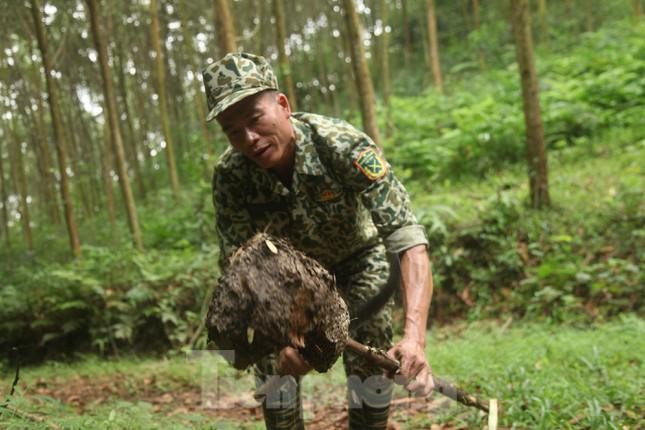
(324, 186)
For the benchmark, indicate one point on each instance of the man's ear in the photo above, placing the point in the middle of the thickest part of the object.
(283, 102)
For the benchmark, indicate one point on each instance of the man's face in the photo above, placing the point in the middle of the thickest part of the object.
(259, 127)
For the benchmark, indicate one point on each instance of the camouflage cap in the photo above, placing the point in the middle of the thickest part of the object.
(234, 77)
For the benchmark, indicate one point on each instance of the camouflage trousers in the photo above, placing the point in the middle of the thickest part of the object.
(368, 393)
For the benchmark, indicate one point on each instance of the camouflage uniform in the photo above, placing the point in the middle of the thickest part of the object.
(344, 208)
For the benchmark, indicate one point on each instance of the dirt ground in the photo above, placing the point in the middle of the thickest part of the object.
(85, 393)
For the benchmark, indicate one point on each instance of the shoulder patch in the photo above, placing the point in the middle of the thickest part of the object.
(371, 163)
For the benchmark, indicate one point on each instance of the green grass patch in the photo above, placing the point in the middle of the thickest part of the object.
(548, 376)
(545, 376)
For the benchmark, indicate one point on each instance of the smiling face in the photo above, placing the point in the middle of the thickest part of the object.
(259, 127)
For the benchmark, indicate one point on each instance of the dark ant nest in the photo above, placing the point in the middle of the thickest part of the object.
(273, 296)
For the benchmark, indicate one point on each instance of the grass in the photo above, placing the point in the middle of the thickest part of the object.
(549, 376)
(582, 181)
(546, 376)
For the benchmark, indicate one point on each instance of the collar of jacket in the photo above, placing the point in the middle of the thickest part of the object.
(307, 160)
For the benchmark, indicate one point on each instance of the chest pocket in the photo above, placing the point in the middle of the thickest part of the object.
(331, 204)
(270, 216)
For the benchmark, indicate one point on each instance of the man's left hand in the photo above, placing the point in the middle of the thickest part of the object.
(415, 373)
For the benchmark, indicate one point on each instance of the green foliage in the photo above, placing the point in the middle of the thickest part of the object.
(579, 261)
(479, 128)
(115, 298)
(111, 299)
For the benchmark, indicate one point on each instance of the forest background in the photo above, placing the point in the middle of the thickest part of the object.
(108, 243)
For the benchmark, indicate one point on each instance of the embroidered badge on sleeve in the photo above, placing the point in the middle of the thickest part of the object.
(371, 163)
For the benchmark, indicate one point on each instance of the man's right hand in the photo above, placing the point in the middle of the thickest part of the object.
(290, 362)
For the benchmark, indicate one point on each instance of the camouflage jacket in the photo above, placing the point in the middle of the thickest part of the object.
(344, 196)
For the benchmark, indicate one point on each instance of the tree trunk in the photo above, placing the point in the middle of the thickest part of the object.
(3, 202)
(361, 72)
(477, 25)
(106, 177)
(285, 67)
(570, 7)
(163, 103)
(75, 155)
(476, 18)
(536, 152)
(143, 117)
(88, 151)
(40, 142)
(407, 39)
(259, 38)
(385, 67)
(225, 27)
(72, 229)
(112, 119)
(433, 44)
(589, 19)
(39, 176)
(330, 99)
(347, 68)
(197, 87)
(637, 8)
(18, 178)
(544, 28)
(132, 152)
(174, 88)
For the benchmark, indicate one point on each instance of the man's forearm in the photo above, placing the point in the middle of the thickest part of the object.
(416, 289)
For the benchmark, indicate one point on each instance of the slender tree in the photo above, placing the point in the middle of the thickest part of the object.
(113, 121)
(88, 150)
(361, 71)
(433, 44)
(283, 59)
(324, 47)
(637, 7)
(20, 184)
(477, 25)
(40, 146)
(542, 17)
(259, 37)
(57, 123)
(76, 159)
(3, 200)
(407, 38)
(175, 93)
(106, 178)
(225, 27)
(347, 67)
(163, 102)
(385, 65)
(197, 88)
(589, 18)
(131, 146)
(35, 115)
(476, 17)
(535, 149)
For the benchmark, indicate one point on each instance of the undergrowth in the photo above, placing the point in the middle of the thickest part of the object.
(460, 156)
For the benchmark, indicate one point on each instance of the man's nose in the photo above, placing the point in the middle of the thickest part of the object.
(250, 136)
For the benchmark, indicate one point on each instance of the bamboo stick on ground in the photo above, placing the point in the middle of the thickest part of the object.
(381, 359)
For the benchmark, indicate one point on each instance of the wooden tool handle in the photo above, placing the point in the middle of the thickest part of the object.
(381, 359)
(384, 361)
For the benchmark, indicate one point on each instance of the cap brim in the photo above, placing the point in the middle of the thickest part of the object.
(233, 98)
